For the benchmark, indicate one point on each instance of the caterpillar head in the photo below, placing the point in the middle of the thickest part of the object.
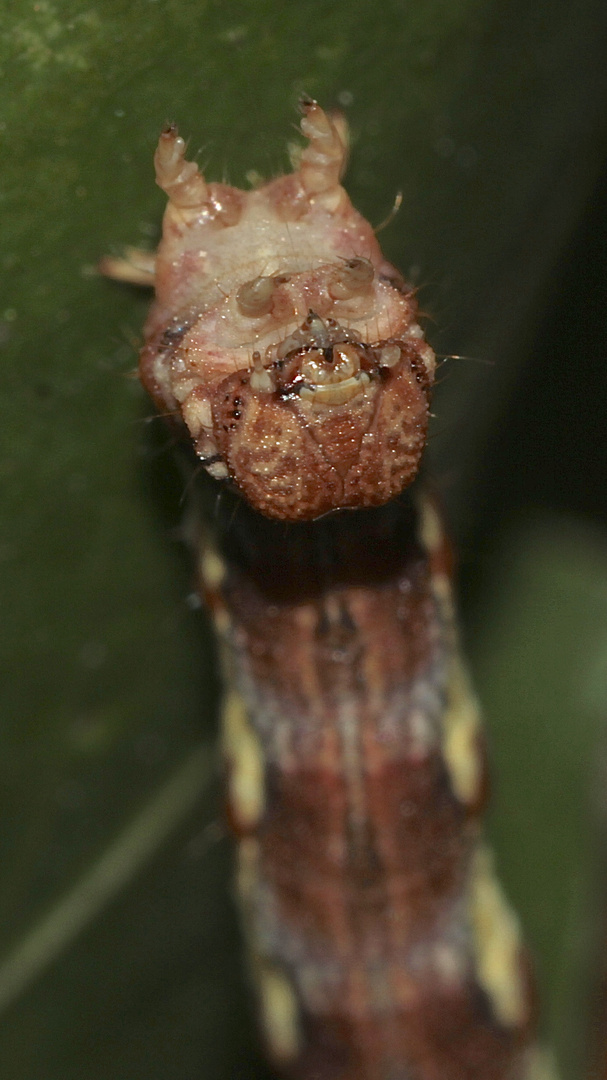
(282, 337)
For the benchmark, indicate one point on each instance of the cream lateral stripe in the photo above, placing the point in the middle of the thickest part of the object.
(461, 731)
(213, 571)
(497, 942)
(278, 1006)
(431, 534)
(244, 756)
(212, 566)
(462, 720)
(279, 1013)
(112, 872)
(541, 1064)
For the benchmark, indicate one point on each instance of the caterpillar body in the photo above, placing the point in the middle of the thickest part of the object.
(289, 350)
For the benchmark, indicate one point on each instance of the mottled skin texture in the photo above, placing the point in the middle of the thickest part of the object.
(257, 293)
(358, 857)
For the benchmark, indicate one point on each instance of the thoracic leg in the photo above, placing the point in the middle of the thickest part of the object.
(323, 160)
(183, 182)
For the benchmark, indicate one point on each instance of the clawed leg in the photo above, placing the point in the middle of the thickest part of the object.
(183, 182)
(323, 160)
(135, 268)
(321, 164)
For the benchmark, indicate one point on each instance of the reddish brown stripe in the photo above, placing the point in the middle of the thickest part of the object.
(446, 1036)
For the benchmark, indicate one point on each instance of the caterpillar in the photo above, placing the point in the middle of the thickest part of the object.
(289, 353)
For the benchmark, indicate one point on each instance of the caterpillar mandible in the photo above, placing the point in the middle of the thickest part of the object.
(288, 351)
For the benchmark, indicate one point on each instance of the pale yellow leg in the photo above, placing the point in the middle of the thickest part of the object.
(323, 160)
(136, 267)
(183, 182)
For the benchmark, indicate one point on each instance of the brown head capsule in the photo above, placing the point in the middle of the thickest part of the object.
(335, 415)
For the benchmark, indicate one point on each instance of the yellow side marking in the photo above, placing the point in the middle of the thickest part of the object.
(461, 729)
(278, 1006)
(461, 721)
(431, 533)
(212, 567)
(213, 571)
(443, 593)
(279, 1013)
(244, 755)
(541, 1064)
(497, 943)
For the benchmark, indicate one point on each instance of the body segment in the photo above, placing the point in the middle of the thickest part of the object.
(362, 866)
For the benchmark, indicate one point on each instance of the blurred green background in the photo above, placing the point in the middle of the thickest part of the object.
(119, 949)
